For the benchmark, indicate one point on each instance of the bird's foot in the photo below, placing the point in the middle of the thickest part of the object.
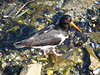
(48, 51)
(53, 50)
(57, 54)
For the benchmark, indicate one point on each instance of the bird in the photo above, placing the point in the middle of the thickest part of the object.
(50, 36)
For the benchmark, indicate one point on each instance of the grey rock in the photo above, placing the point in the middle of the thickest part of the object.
(95, 36)
(32, 69)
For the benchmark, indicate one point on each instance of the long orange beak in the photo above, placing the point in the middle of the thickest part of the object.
(71, 23)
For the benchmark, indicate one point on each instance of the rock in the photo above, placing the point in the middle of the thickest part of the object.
(95, 36)
(79, 6)
(97, 71)
(9, 10)
(32, 69)
(95, 62)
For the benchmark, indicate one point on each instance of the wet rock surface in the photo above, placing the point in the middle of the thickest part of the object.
(32, 69)
(95, 36)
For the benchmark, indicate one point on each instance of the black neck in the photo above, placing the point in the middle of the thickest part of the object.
(63, 27)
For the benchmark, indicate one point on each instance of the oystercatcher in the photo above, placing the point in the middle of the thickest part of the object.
(50, 36)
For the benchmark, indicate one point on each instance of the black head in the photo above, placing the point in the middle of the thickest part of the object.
(66, 21)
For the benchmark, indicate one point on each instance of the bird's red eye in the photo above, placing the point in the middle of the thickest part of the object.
(67, 20)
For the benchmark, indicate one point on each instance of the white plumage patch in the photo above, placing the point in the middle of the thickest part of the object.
(62, 38)
(45, 47)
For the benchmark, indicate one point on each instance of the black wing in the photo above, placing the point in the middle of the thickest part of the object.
(47, 36)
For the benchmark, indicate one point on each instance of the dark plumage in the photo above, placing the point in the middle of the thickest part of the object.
(50, 36)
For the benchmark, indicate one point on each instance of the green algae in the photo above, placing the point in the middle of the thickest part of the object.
(22, 13)
(13, 29)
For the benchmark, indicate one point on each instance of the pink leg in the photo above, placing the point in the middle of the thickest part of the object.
(57, 54)
(45, 52)
(48, 51)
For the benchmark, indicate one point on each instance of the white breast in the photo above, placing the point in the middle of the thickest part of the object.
(62, 38)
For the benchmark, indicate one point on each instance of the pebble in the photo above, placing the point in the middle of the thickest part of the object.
(97, 71)
(34, 61)
(97, 2)
(49, 72)
(32, 50)
(1, 72)
(40, 53)
(0, 29)
(18, 58)
(90, 30)
(95, 18)
(83, 20)
(4, 65)
(93, 45)
(32, 69)
(12, 55)
(0, 55)
(10, 60)
(98, 45)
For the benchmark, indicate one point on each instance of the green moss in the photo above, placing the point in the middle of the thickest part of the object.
(67, 70)
(13, 29)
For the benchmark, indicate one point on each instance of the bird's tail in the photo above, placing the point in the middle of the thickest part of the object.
(19, 45)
